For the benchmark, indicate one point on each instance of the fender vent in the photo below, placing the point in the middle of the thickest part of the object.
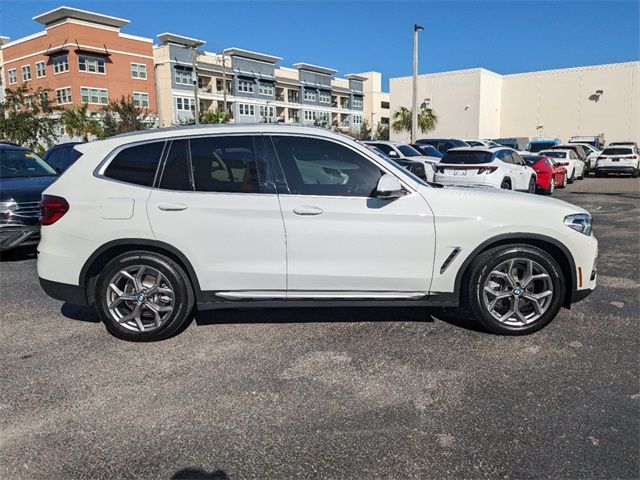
(449, 259)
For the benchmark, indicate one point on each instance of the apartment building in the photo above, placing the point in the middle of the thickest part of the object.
(83, 57)
(254, 87)
(376, 102)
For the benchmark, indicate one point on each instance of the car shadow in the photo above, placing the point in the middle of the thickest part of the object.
(82, 313)
(199, 474)
(19, 254)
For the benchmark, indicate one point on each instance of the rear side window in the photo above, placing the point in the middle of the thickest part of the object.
(175, 174)
(466, 157)
(226, 164)
(137, 164)
(313, 166)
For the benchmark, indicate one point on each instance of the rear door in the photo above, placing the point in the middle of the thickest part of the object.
(216, 202)
(522, 171)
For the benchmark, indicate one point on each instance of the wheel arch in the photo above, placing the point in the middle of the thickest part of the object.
(110, 250)
(556, 249)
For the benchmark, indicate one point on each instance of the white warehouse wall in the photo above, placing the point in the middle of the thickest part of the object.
(482, 104)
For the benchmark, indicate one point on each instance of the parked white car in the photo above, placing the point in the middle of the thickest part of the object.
(477, 142)
(146, 227)
(592, 154)
(398, 150)
(569, 160)
(499, 167)
(618, 159)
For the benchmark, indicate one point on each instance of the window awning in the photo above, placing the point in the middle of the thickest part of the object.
(95, 50)
(51, 51)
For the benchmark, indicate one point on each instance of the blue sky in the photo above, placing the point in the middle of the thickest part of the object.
(504, 36)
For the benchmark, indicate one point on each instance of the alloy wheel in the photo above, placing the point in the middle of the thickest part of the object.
(552, 185)
(140, 298)
(518, 292)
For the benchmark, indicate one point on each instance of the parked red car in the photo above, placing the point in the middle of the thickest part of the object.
(550, 174)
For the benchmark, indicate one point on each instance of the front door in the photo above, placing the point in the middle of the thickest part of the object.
(216, 203)
(343, 241)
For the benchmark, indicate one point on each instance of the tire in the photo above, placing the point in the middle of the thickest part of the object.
(506, 184)
(489, 269)
(532, 185)
(581, 177)
(552, 186)
(599, 174)
(572, 177)
(564, 181)
(635, 173)
(159, 274)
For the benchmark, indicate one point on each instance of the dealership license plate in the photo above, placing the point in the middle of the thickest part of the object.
(459, 172)
(615, 159)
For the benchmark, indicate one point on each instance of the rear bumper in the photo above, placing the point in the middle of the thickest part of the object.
(579, 295)
(62, 291)
(12, 236)
(616, 169)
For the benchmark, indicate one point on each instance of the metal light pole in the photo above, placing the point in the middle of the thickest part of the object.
(224, 81)
(414, 104)
(194, 73)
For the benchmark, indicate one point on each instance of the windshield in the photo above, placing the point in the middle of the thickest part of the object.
(555, 154)
(404, 170)
(16, 163)
(531, 159)
(467, 157)
(537, 146)
(617, 151)
(408, 151)
(428, 150)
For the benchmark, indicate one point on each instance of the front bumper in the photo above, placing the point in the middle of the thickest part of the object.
(12, 236)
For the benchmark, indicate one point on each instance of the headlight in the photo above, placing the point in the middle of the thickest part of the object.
(580, 222)
(7, 206)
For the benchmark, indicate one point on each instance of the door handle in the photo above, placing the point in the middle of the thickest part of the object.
(307, 210)
(172, 207)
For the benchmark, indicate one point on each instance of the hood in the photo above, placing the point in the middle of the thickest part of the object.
(25, 189)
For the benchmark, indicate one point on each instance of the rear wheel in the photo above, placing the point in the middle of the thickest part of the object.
(532, 185)
(552, 186)
(144, 296)
(506, 184)
(635, 173)
(514, 289)
(572, 176)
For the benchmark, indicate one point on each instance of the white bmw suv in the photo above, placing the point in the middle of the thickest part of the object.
(151, 227)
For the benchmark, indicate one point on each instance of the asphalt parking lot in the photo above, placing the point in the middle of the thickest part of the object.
(352, 393)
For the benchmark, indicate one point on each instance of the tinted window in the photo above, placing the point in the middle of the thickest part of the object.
(175, 174)
(386, 149)
(475, 144)
(320, 167)
(408, 151)
(617, 151)
(428, 150)
(538, 146)
(70, 155)
(505, 156)
(517, 159)
(136, 164)
(23, 163)
(553, 154)
(531, 159)
(225, 164)
(54, 158)
(466, 157)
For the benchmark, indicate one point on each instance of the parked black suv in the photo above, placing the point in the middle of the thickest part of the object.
(23, 178)
(62, 156)
(443, 144)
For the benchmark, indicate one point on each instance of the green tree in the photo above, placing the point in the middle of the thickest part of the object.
(81, 122)
(382, 131)
(122, 116)
(364, 132)
(214, 116)
(27, 118)
(427, 120)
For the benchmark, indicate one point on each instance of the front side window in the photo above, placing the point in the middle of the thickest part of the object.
(408, 151)
(61, 63)
(139, 71)
(141, 99)
(226, 165)
(96, 96)
(388, 149)
(63, 95)
(90, 64)
(26, 73)
(41, 70)
(137, 164)
(320, 167)
(13, 76)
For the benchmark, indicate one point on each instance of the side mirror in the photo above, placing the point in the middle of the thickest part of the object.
(389, 187)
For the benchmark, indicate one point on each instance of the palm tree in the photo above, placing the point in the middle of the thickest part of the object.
(427, 120)
(79, 121)
(214, 116)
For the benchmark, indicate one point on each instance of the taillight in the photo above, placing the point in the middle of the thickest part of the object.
(487, 169)
(52, 209)
(630, 157)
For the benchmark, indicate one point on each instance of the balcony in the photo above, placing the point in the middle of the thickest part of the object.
(293, 97)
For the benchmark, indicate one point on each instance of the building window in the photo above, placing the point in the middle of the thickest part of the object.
(13, 76)
(357, 102)
(61, 64)
(357, 119)
(324, 97)
(183, 77)
(245, 86)
(139, 70)
(267, 112)
(185, 104)
(309, 115)
(384, 105)
(246, 109)
(97, 96)
(141, 99)
(63, 95)
(91, 64)
(219, 85)
(265, 89)
(41, 70)
(26, 73)
(310, 95)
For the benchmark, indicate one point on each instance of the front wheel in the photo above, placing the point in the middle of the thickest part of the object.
(552, 186)
(514, 289)
(572, 177)
(144, 296)
(532, 185)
